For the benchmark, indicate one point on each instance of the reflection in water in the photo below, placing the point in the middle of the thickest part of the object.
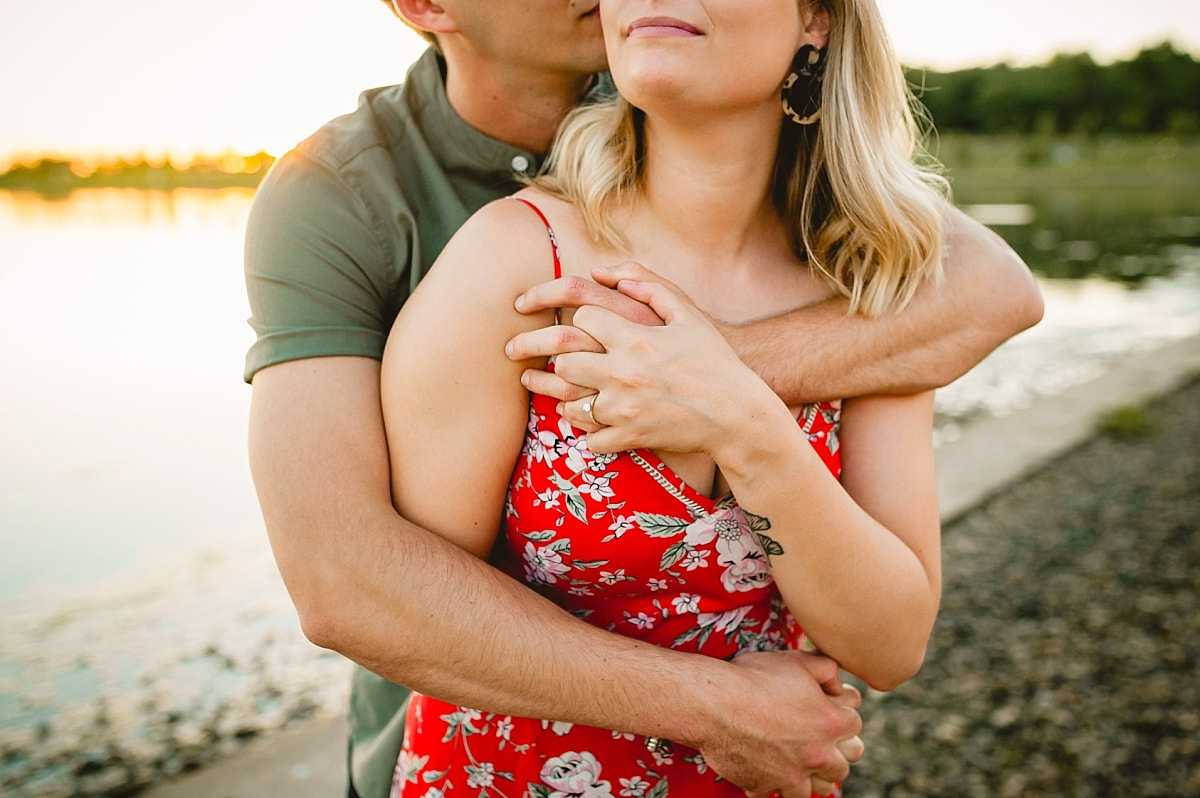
(1125, 233)
(122, 321)
(126, 208)
(1120, 272)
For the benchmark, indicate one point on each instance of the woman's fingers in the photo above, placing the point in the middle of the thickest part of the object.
(611, 276)
(667, 301)
(853, 749)
(822, 787)
(583, 413)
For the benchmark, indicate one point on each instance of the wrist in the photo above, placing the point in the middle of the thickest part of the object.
(764, 424)
(705, 709)
(733, 334)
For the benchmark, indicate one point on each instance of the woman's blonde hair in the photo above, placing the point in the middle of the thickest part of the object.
(858, 193)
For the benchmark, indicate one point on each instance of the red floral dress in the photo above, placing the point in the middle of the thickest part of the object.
(622, 542)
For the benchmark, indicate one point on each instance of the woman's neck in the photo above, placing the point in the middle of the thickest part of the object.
(707, 185)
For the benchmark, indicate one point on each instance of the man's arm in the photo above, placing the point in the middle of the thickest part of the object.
(819, 352)
(416, 609)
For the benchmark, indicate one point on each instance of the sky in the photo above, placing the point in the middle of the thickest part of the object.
(124, 77)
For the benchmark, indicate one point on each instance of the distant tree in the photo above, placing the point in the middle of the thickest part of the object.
(1158, 91)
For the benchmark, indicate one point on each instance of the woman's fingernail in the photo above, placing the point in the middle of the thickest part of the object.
(508, 348)
(525, 379)
(520, 303)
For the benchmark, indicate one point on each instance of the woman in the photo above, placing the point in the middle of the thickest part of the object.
(621, 506)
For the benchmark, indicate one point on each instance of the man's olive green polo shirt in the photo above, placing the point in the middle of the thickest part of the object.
(345, 225)
(340, 232)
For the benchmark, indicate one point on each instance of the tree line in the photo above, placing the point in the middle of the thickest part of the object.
(60, 176)
(1157, 91)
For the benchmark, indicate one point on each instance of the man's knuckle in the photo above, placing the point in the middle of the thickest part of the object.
(575, 287)
(560, 338)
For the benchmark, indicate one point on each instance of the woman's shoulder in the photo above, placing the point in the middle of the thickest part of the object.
(530, 208)
(522, 234)
(503, 243)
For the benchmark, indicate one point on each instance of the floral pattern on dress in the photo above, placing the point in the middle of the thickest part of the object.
(621, 541)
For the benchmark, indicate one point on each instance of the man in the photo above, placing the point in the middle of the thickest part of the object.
(342, 230)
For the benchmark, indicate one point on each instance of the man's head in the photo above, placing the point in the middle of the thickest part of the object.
(559, 37)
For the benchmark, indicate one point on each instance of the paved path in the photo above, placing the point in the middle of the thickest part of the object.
(990, 454)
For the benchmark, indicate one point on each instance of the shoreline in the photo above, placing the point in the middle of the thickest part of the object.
(237, 746)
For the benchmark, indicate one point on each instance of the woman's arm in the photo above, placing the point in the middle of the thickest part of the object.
(856, 562)
(454, 407)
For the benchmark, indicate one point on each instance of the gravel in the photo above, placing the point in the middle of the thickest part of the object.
(1066, 657)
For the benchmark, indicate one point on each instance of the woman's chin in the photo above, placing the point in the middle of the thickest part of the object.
(652, 90)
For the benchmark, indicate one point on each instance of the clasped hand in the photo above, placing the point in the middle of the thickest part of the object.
(656, 370)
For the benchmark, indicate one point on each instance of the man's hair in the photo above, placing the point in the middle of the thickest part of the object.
(857, 192)
(424, 34)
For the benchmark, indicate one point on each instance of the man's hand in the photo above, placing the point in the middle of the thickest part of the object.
(795, 730)
(575, 292)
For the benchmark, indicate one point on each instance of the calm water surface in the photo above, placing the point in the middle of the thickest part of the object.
(122, 328)
(122, 331)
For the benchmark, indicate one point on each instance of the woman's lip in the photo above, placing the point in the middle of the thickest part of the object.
(665, 25)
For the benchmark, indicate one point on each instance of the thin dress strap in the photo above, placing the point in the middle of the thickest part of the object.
(553, 244)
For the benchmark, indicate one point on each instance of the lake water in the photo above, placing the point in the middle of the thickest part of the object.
(134, 570)
(122, 328)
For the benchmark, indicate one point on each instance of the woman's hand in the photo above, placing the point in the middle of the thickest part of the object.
(574, 292)
(677, 387)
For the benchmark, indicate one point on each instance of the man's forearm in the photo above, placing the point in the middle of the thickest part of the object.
(417, 610)
(820, 352)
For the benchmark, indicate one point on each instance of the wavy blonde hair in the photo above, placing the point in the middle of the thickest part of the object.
(857, 191)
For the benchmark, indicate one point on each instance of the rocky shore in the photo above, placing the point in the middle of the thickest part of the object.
(1065, 660)
(165, 669)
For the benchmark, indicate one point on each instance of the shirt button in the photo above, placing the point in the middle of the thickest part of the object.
(520, 163)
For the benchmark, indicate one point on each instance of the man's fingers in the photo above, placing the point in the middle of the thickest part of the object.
(574, 292)
(551, 341)
(549, 384)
